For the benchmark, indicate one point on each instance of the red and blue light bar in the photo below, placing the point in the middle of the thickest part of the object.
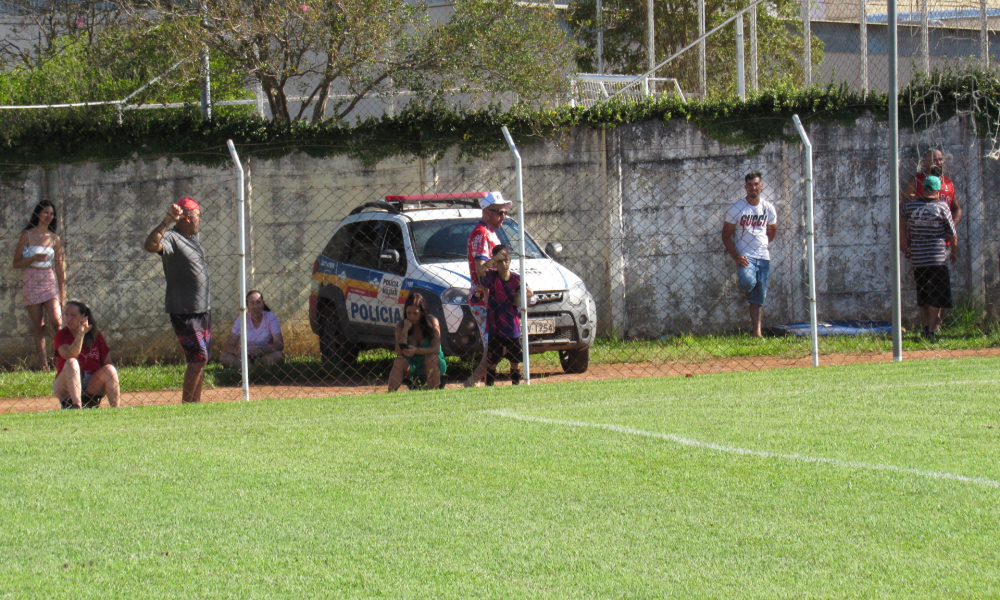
(431, 197)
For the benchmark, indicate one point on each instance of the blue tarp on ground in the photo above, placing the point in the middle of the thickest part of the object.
(835, 328)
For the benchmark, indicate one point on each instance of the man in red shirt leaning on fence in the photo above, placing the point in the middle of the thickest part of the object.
(933, 164)
(482, 240)
(925, 224)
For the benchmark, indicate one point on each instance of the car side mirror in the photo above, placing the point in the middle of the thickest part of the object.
(553, 249)
(389, 257)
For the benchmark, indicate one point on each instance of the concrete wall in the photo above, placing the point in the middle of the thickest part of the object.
(638, 209)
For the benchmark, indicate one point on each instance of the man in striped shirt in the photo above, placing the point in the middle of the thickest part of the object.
(926, 226)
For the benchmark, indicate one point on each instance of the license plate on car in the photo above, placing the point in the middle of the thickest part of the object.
(541, 326)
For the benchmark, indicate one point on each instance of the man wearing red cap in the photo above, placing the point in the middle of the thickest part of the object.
(188, 288)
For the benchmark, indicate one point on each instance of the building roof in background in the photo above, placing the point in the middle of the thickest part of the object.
(935, 15)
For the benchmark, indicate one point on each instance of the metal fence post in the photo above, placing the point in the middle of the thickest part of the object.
(984, 37)
(741, 84)
(806, 44)
(925, 38)
(651, 42)
(241, 244)
(863, 34)
(810, 240)
(702, 67)
(754, 85)
(206, 86)
(893, 166)
(525, 355)
(600, 37)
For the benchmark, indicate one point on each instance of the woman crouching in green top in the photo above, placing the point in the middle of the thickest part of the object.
(418, 336)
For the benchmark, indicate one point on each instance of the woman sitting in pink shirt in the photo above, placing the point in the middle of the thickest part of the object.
(264, 343)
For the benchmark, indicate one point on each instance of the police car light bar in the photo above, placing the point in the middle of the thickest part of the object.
(430, 197)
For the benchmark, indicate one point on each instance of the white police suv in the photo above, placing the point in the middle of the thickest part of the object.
(387, 249)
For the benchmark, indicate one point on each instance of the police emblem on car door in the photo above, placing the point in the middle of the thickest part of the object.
(373, 303)
(392, 270)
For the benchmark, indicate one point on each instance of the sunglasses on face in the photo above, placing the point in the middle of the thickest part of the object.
(502, 212)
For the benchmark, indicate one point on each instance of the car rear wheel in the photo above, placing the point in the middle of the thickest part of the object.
(575, 361)
(338, 353)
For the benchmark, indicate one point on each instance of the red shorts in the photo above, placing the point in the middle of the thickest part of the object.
(194, 332)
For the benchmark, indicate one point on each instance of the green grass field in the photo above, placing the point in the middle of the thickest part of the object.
(374, 365)
(839, 482)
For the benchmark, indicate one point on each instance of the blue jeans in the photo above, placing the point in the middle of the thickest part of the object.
(753, 279)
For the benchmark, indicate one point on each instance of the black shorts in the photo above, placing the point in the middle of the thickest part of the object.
(86, 400)
(194, 332)
(933, 286)
(498, 346)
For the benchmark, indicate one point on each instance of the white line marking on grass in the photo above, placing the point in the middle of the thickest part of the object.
(747, 452)
(929, 384)
(773, 394)
(798, 392)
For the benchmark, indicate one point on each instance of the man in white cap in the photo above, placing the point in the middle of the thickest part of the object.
(482, 240)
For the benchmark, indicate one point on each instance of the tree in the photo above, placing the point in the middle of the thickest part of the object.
(39, 28)
(676, 26)
(63, 51)
(354, 48)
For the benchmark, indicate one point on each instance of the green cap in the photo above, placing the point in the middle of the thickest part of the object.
(932, 183)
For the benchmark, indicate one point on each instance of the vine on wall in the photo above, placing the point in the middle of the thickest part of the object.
(96, 135)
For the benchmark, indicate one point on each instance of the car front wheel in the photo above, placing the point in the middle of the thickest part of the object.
(338, 353)
(575, 361)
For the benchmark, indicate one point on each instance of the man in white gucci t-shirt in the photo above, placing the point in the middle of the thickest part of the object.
(749, 228)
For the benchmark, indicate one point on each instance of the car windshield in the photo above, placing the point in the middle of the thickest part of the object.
(446, 240)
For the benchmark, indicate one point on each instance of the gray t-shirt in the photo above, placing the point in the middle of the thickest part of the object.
(184, 266)
(930, 223)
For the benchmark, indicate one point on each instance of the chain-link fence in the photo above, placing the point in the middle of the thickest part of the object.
(626, 258)
(843, 42)
(626, 254)
(102, 224)
(932, 35)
